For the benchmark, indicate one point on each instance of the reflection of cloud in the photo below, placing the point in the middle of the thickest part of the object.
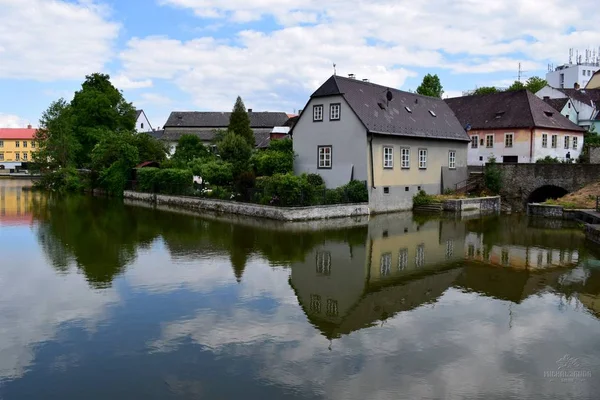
(35, 302)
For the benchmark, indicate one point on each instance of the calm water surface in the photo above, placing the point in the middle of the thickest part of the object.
(100, 300)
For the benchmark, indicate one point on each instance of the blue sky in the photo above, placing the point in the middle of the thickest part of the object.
(200, 54)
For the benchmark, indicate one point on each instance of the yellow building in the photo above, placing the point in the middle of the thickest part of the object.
(16, 146)
(594, 83)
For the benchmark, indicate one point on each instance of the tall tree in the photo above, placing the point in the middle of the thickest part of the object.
(535, 84)
(485, 90)
(239, 122)
(188, 148)
(98, 108)
(517, 85)
(431, 86)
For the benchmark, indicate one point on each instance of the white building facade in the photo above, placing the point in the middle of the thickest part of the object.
(566, 76)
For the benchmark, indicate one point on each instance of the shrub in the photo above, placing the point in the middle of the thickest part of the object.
(315, 180)
(244, 182)
(215, 172)
(283, 145)
(547, 160)
(234, 149)
(145, 179)
(269, 162)
(356, 192)
(62, 180)
(422, 199)
(334, 196)
(167, 181)
(492, 176)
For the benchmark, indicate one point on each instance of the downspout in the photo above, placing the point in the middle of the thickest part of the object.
(531, 146)
(371, 150)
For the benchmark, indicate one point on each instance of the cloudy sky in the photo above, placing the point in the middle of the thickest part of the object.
(200, 54)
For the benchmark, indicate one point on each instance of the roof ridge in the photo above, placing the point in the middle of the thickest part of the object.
(528, 93)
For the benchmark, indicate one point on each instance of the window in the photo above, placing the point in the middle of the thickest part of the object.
(403, 259)
(17, 144)
(575, 143)
(315, 303)
(142, 125)
(334, 112)
(386, 190)
(508, 140)
(544, 140)
(489, 141)
(24, 143)
(318, 113)
(422, 158)
(32, 144)
(554, 141)
(324, 263)
(388, 157)
(1, 156)
(24, 156)
(567, 142)
(17, 157)
(386, 264)
(449, 249)
(405, 157)
(474, 142)
(325, 156)
(420, 258)
(452, 159)
(1, 143)
(332, 308)
(505, 257)
(471, 251)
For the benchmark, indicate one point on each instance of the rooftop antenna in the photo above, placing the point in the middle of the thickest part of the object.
(571, 55)
(521, 73)
(334, 70)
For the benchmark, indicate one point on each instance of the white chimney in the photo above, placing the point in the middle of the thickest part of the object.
(351, 76)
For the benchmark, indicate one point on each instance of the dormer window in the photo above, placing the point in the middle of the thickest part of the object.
(334, 112)
(408, 109)
(318, 112)
(548, 113)
(432, 113)
(499, 114)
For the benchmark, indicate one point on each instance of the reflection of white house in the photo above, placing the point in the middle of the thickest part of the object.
(141, 122)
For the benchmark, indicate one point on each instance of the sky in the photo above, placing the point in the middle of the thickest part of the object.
(168, 55)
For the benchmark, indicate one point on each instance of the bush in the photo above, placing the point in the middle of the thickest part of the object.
(234, 149)
(215, 172)
(422, 199)
(62, 180)
(548, 160)
(283, 145)
(334, 196)
(356, 192)
(166, 181)
(315, 180)
(145, 179)
(269, 162)
(492, 176)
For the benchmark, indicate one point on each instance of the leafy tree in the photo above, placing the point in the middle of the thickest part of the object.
(269, 162)
(114, 156)
(188, 148)
(98, 108)
(149, 149)
(516, 86)
(431, 86)
(55, 141)
(492, 176)
(236, 150)
(239, 122)
(485, 90)
(535, 84)
(215, 172)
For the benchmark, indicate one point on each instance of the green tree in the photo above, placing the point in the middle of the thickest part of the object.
(431, 86)
(235, 150)
(239, 122)
(149, 149)
(535, 84)
(516, 86)
(98, 108)
(485, 90)
(188, 148)
(215, 172)
(114, 157)
(492, 176)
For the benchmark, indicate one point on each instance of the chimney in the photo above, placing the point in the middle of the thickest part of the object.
(351, 76)
(576, 86)
(249, 110)
(29, 126)
(299, 111)
(546, 97)
(365, 80)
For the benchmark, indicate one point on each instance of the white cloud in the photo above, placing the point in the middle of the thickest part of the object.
(12, 121)
(123, 82)
(54, 39)
(153, 99)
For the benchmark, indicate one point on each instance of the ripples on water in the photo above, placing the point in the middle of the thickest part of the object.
(100, 300)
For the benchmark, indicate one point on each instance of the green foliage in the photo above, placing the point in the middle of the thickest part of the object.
(245, 181)
(535, 84)
(165, 181)
(270, 162)
(548, 160)
(356, 192)
(422, 199)
(492, 176)
(235, 150)
(215, 172)
(516, 86)
(188, 148)
(114, 156)
(145, 179)
(485, 90)
(283, 145)
(431, 86)
(315, 180)
(239, 122)
(61, 180)
(149, 149)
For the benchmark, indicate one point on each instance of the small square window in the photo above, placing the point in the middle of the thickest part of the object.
(407, 189)
(386, 233)
(480, 158)
(386, 190)
(318, 112)
(418, 187)
(334, 112)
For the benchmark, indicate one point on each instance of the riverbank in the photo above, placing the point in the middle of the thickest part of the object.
(590, 217)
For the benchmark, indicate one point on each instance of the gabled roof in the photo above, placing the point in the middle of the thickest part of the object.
(201, 119)
(138, 113)
(588, 96)
(406, 114)
(557, 104)
(508, 110)
(17, 133)
(262, 136)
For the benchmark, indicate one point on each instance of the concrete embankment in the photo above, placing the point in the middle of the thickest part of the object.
(590, 218)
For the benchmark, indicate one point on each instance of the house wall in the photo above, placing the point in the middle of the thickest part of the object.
(481, 154)
(398, 180)
(559, 152)
(9, 151)
(582, 112)
(594, 82)
(580, 74)
(347, 137)
(142, 124)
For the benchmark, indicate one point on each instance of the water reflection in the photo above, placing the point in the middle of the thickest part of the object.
(15, 203)
(179, 306)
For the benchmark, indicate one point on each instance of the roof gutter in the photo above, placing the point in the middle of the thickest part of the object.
(371, 150)
(531, 145)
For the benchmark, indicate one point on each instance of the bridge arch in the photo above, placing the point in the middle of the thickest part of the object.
(546, 192)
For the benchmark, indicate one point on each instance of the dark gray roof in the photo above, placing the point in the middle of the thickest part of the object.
(514, 109)
(587, 96)
(428, 117)
(156, 134)
(138, 113)
(262, 136)
(201, 119)
(557, 104)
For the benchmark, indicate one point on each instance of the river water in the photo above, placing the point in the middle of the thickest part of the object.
(101, 300)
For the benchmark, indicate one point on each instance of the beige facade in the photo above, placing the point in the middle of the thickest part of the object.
(594, 82)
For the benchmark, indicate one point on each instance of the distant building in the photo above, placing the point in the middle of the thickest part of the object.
(584, 102)
(397, 142)
(16, 146)
(574, 75)
(515, 127)
(141, 122)
(206, 124)
(594, 82)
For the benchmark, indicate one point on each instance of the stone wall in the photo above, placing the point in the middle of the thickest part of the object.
(547, 211)
(594, 155)
(592, 233)
(253, 210)
(481, 204)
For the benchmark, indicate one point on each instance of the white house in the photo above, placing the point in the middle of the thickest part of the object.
(585, 104)
(141, 122)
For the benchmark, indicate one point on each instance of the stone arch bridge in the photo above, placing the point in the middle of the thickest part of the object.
(528, 183)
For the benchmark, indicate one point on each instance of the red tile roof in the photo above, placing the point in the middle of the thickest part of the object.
(17, 133)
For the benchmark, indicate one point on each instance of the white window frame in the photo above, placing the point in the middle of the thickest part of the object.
(323, 262)
(422, 158)
(487, 145)
(385, 266)
(405, 157)
(575, 142)
(403, 259)
(17, 144)
(452, 159)
(1, 156)
(554, 141)
(32, 144)
(17, 156)
(1, 144)
(420, 256)
(318, 113)
(24, 157)
(326, 163)
(544, 140)
(475, 143)
(388, 157)
(567, 142)
(24, 144)
(512, 140)
(335, 111)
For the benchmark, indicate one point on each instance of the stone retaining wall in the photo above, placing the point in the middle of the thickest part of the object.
(594, 155)
(592, 233)
(481, 204)
(253, 210)
(543, 210)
